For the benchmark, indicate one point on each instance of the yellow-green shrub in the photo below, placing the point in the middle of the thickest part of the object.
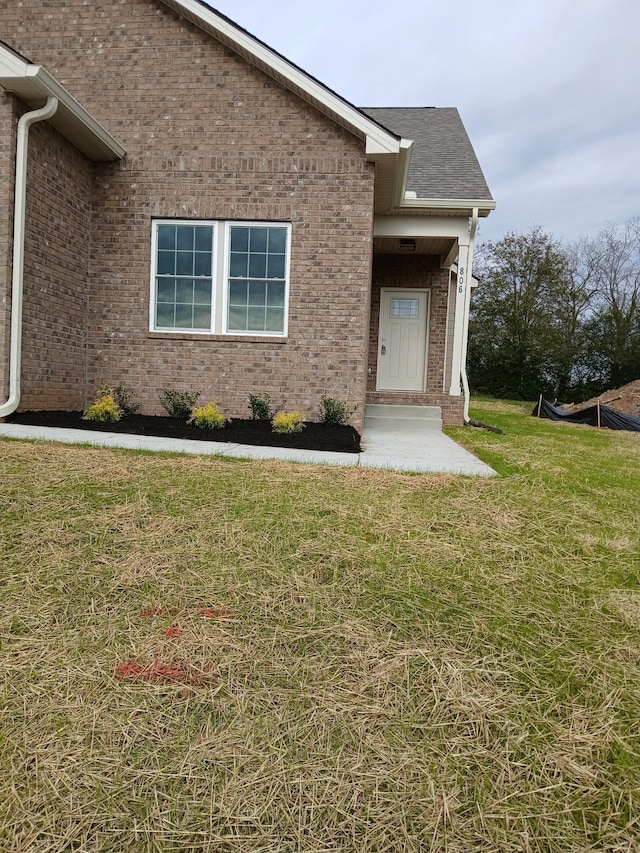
(208, 417)
(104, 410)
(287, 422)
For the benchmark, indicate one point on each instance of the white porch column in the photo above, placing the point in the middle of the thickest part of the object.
(464, 282)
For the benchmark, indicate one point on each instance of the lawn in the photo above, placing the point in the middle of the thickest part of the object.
(219, 655)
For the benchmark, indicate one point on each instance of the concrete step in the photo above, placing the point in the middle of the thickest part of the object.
(403, 418)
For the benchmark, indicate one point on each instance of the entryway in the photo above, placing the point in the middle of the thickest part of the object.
(402, 340)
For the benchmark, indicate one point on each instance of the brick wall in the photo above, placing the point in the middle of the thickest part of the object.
(207, 136)
(57, 240)
(8, 119)
(406, 272)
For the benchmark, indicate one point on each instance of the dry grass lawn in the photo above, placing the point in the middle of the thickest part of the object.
(215, 655)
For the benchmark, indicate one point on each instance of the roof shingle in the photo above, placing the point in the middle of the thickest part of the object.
(443, 162)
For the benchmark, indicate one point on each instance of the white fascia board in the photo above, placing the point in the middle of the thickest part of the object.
(402, 172)
(33, 83)
(10, 64)
(378, 140)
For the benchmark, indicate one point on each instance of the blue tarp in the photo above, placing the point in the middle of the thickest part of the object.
(609, 418)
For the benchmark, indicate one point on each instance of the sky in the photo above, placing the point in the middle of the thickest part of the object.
(548, 90)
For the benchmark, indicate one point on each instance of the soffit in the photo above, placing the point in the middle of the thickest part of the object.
(440, 246)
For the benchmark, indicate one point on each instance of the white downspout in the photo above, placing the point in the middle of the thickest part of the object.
(467, 304)
(15, 351)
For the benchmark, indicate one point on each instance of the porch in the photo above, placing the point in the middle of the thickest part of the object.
(417, 319)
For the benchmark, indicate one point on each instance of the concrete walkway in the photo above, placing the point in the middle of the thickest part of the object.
(424, 452)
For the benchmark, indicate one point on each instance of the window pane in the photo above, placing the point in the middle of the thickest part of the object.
(404, 307)
(258, 239)
(275, 268)
(277, 240)
(256, 319)
(166, 263)
(202, 264)
(239, 239)
(238, 293)
(275, 294)
(203, 238)
(184, 263)
(166, 236)
(166, 290)
(184, 290)
(257, 266)
(185, 237)
(237, 318)
(201, 317)
(275, 320)
(202, 293)
(238, 266)
(184, 316)
(257, 292)
(165, 315)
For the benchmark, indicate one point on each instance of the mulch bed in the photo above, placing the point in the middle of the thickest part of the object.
(315, 436)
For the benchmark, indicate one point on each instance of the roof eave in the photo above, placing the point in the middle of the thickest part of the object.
(464, 205)
(33, 85)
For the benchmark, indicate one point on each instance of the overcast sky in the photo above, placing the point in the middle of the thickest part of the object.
(549, 90)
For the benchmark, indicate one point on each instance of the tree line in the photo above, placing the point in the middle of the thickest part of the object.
(557, 318)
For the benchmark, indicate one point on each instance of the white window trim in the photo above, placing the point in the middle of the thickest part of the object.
(221, 239)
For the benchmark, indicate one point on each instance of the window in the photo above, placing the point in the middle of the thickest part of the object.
(404, 308)
(220, 278)
(183, 277)
(257, 279)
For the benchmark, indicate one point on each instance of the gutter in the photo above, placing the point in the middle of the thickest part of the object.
(483, 206)
(17, 279)
(467, 306)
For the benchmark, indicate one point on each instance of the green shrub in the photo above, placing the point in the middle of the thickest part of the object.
(287, 422)
(334, 411)
(104, 410)
(124, 396)
(208, 417)
(260, 405)
(178, 404)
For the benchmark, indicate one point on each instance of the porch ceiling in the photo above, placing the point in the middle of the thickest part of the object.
(441, 246)
(431, 235)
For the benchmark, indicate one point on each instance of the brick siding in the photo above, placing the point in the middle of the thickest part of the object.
(207, 136)
(56, 273)
(8, 123)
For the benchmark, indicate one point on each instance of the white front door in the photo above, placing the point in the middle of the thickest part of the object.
(402, 340)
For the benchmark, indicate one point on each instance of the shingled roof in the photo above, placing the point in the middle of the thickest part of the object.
(443, 163)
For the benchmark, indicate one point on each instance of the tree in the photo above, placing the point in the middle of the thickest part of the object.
(515, 314)
(614, 328)
(571, 362)
(563, 319)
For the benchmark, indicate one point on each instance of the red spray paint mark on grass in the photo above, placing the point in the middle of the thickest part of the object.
(210, 613)
(174, 632)
(159, 672)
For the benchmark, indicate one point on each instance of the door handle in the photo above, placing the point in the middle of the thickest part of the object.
(383, 350)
